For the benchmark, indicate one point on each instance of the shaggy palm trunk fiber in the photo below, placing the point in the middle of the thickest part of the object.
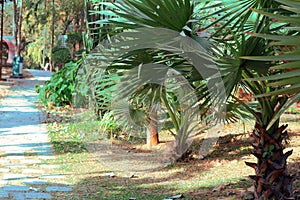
(272, 180)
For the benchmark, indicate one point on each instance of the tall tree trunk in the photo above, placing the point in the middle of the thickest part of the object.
(152, 129)
(18, 19)
(20, 29)
(15, 3)
(1, 38)
(272, 180)
(52, 35)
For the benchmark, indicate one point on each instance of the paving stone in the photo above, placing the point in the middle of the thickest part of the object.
(30, 161)
(58, 189)
(15, 157)
(16, 166)
(12, 148)
(15, 148)
(38, 195)
(35, 182)
(4, 162)
(32, 171)
(18, 196)
(50, 176)
(49, 166)
(33, 145)
(4, 170)
(14, 153)
(4, 194)
(15, 188)
(14, 176)
(3, 182)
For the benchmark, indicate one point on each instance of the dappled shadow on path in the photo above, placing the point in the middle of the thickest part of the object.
(18, 111)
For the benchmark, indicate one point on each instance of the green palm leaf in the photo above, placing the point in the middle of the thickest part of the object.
(287, 81)
(231, 15)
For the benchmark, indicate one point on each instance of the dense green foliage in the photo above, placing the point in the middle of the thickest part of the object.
(61, 55)
(58, 91)
(73, 37)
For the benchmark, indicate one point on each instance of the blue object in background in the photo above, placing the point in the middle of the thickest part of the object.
(17, 66)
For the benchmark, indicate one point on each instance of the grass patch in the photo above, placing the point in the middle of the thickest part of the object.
(293, 110)
(70, 137)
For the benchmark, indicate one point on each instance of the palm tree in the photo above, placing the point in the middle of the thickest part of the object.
(274, 176)
(129, 17)
(248, 61)
(227, 22)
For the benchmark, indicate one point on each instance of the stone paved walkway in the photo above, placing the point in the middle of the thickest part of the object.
(25, 146)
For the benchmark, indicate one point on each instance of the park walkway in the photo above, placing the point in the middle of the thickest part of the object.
(25, 146)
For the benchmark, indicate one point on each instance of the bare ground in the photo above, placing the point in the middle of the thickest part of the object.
(226, 162)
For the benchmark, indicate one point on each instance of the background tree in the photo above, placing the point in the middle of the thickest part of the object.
(18, 20)
(38, 22)
(8, 18)
(71, 16)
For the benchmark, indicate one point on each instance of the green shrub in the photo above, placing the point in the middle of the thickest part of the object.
(73, 38)
(59, 89)
(61, 55)
(109, 125)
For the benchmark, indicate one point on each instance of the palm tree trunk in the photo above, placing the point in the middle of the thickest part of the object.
(152, 129)
(272, 180)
